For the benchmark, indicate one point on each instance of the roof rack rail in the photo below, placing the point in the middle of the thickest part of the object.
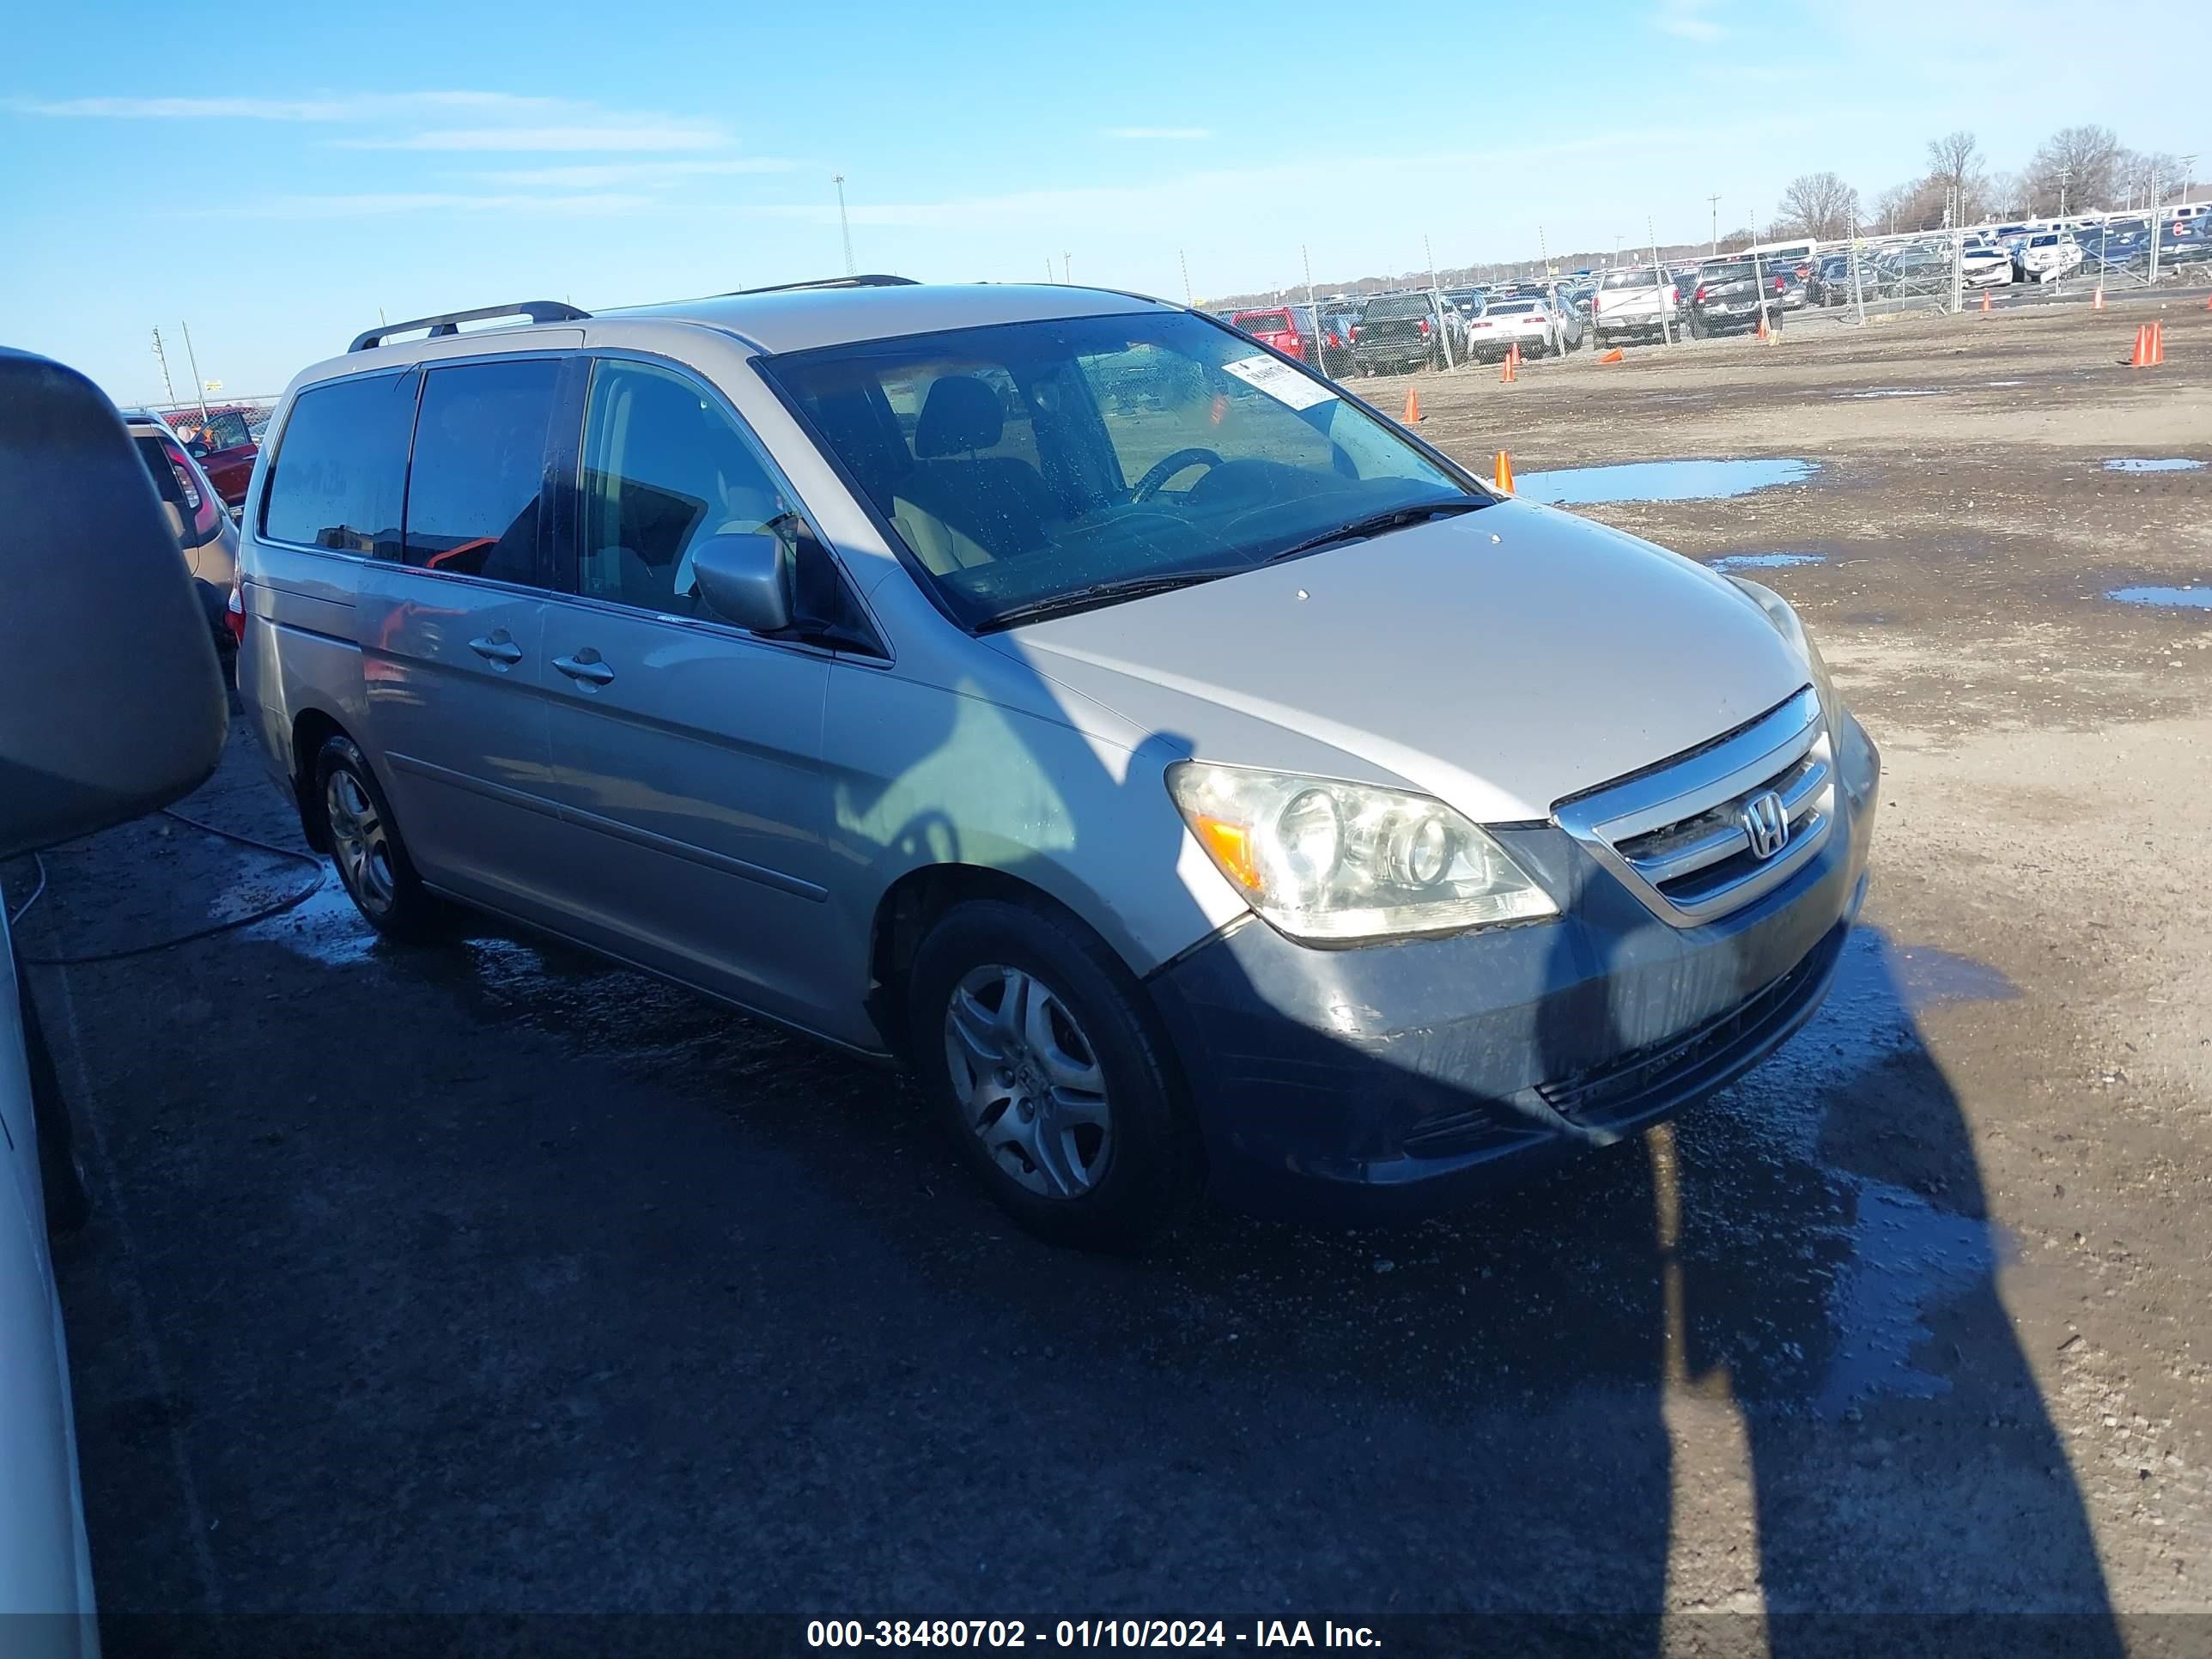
(448, 323)
(867, 281)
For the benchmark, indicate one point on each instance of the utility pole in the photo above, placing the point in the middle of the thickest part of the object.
(1066, 266)
(1184, 259)
(2064, 174)
(1714, 202)
(2188, 172)
(1048, 268)
(844, 227)
(1306, 259)
(193, 357)
(1430, 254)
(162, 358)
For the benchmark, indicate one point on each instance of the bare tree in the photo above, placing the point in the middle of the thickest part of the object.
(2008, 194)
(1821, 205)
(2146, 179)
(1954, 165)
(1893, 208)
(2083, 163)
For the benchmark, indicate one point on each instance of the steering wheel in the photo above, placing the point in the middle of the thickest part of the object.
(1167, 467)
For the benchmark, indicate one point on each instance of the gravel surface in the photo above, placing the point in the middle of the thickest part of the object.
(490, 1278)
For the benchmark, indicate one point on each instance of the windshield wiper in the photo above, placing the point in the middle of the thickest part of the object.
(1098, 593)
(1375, 524)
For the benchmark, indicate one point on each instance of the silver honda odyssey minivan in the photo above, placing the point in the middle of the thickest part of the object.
(1200, 783)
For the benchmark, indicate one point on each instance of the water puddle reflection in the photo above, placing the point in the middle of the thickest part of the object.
(1765, 561)
(1660, 481)
(2185, 599)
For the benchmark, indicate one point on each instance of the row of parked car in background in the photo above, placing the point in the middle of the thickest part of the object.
(1426, 328)
(1436, 328)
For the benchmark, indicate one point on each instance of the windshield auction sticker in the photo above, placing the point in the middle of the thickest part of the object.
(1280, 382)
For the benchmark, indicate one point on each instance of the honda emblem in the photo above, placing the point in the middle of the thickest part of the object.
(1767, 822)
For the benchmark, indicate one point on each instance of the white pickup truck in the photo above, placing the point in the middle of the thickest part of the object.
(1637, 300)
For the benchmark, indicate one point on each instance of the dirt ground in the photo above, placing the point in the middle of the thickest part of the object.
(492, 1280)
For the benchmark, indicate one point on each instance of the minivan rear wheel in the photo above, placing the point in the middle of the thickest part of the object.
(366, 846)
(1033, 1041)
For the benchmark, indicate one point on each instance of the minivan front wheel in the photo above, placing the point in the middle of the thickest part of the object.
(1033, 1041)
(365, 845)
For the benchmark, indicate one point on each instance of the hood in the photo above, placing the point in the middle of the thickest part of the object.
(1501, 660)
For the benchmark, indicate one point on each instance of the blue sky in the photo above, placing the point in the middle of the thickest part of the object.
(277, 176)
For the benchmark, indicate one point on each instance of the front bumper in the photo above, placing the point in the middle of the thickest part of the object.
(1392, 1080)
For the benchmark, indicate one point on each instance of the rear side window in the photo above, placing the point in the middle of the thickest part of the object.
(1264, 322)
(479, 461)
(341, 468)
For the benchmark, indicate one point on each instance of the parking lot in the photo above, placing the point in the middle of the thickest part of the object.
(488, 1278)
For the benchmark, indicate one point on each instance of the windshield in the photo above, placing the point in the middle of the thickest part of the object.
(1619, 279)
(1395, 307)
(1735, 273)
(1032, 463)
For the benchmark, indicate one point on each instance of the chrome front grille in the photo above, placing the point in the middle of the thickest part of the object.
(1681, 835)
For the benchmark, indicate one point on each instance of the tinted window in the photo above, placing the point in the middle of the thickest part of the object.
(341, 466)
(1396, 307)
(479, 459)
(665, 467)
(1264, 322)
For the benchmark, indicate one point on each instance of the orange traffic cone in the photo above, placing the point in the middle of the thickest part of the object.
(2141, 358)
(2208, 305)
(2098, 303)
(1985, 302)
(1614, 356)
(1413, 406)
(1503, 474)
(2157, 344)
(1764, 338)
(1512, 370)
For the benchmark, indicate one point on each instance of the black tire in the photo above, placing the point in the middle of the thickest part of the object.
(410, 913)
(1151, 1170)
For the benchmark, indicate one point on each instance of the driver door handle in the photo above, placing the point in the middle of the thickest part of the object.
(497, 647)
(585, 665)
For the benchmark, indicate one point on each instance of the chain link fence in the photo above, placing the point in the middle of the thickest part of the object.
(1472, 316)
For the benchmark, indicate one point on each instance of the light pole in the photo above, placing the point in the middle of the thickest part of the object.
(2188, 172)
(1714, 202)
(844, 229)
(2064, 173)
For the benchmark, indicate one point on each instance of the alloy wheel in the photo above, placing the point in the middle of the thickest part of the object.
(1027, 1080)
(359, 842)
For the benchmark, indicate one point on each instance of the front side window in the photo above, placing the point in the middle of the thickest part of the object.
(665, 467)
(341, 467)
(1157, 449)
(473, 492)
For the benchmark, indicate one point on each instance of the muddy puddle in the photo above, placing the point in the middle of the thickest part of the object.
(2173, 598)
(1764, 561)
(1660, 481)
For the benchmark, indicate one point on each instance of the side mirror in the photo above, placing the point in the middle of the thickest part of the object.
(112, 702)
(746, 579)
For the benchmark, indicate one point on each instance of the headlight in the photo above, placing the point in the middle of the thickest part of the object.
(1794, 635)
(1335, 861)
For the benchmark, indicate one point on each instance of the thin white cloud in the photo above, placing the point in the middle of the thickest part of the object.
(1159, 132)
(382, 204)
(1686, 20)
(593, 136)
(602, 175)
(355, 106)
(432, 120)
